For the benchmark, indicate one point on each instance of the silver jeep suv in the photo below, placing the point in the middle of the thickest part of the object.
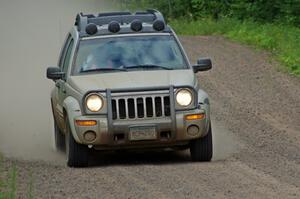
(123, 81)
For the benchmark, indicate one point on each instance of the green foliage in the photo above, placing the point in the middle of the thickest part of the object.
(209, 8)
(285, 11)
(282, 40)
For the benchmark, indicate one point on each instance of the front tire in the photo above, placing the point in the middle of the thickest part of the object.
(77, 154)
(202, 148)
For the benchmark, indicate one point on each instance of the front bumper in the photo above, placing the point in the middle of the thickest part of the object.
(115, 134)
(112, 133)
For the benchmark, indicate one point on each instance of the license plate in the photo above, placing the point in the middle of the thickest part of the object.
(142, 133)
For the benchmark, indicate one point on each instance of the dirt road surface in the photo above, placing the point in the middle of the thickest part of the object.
(256, 126)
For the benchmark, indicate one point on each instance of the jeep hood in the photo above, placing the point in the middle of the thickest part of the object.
(132, 79)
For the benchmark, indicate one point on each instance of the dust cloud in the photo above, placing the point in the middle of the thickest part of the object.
(32, 33)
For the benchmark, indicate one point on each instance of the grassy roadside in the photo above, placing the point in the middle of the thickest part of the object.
(282, 40)
(8, 181)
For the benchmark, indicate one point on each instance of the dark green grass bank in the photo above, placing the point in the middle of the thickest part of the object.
(282, 40)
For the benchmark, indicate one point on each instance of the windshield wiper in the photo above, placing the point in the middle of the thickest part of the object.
(146, 66)
(103, 69)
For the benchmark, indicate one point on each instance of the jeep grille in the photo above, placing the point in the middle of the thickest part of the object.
(141, 107)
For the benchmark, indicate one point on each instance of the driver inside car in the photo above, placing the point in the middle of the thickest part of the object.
(103, 58)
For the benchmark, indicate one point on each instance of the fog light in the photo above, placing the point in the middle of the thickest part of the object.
(89, 136)
(195, 116)
(193, 130)
(86, 122)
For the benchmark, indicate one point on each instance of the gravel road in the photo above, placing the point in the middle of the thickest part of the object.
(256, 126)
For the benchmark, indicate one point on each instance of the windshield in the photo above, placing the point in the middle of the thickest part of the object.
(157, 52)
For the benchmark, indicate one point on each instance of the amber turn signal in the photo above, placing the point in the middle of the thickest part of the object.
(195, 116)
(86, 122)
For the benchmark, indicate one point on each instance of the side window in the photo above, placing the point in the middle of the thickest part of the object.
(68, 56)
(63, 51)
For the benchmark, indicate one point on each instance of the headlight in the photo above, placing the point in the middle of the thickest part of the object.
(184, 97)
(94, 103)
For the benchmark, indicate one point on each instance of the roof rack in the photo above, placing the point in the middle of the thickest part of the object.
(148, 16)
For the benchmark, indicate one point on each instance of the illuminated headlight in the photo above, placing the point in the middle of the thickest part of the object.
(184, 97)
(94, 103)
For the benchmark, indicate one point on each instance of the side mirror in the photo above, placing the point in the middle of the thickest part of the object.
(55, 73)
(202, 65)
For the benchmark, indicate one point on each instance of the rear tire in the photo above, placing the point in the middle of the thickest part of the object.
(59, 138)
(202, 149)
(77, 154)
